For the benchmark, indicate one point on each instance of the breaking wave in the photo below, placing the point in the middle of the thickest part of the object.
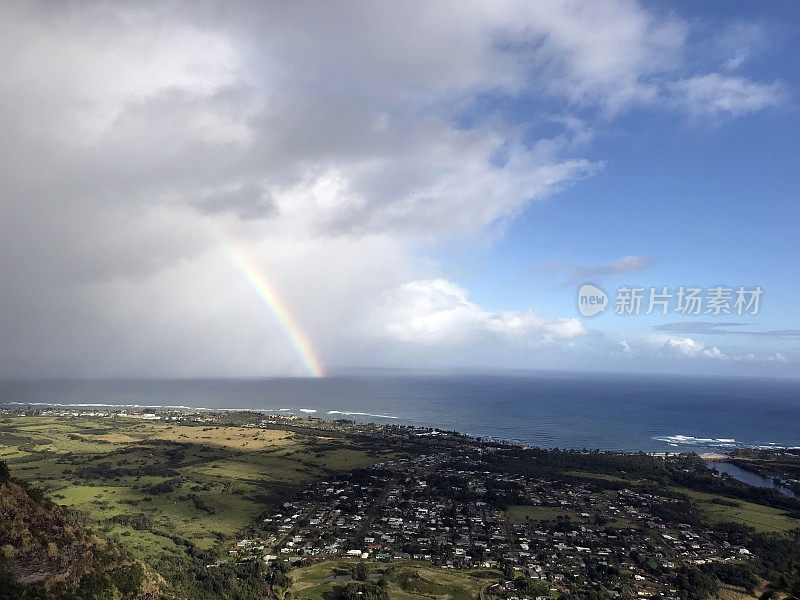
(721, 443)
(360, 414)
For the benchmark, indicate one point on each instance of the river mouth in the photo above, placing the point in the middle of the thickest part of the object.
(749, 477)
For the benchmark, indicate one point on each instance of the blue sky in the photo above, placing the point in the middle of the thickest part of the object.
(710, 202)
(410, 189)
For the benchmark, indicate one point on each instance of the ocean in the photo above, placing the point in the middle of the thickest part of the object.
(607, 412)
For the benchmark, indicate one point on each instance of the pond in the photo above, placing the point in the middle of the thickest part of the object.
(748, 477)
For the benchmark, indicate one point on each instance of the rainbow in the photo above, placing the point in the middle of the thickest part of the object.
(266, 291)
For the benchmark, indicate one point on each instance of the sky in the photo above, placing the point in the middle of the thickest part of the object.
(215, 189)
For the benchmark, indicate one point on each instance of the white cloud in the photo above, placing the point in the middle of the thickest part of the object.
(659, 349)
(670, 348)
(715, 95)
(690, 348)
(775, 357)
(438, 312)
(739, 42)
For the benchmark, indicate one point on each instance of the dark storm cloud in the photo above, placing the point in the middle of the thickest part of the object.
(248, 201)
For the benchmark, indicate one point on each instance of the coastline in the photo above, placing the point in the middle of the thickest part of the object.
(714, 457)
(549, 412)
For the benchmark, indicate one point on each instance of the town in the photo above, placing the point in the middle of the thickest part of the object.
(504, 519)
(424, 509)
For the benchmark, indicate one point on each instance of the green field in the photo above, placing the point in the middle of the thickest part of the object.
(762, 518)
(520, 514)
(407, 580)
(215, 479)
(588, 475)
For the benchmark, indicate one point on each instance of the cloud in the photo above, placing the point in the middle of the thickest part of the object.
(777, 357)
(689, 348)
(739, 42)
(664, 349)
(456, 189)
(654, 348)
(328, 142)
(438, 312)
(579, 273)
(715, 328)
(246, 201)
(623, 266)
(715, 95)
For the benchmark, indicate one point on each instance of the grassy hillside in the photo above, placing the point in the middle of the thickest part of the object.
(162, 487)
(46, 553)
(763, 519)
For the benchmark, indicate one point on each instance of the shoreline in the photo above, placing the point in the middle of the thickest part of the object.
(359, 418)
(714, 457)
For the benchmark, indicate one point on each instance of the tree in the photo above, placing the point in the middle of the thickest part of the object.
(787, 583)
(532, 587)
(694, 584)
(360, 572)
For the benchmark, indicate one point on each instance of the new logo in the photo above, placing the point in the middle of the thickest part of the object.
(591, 300)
